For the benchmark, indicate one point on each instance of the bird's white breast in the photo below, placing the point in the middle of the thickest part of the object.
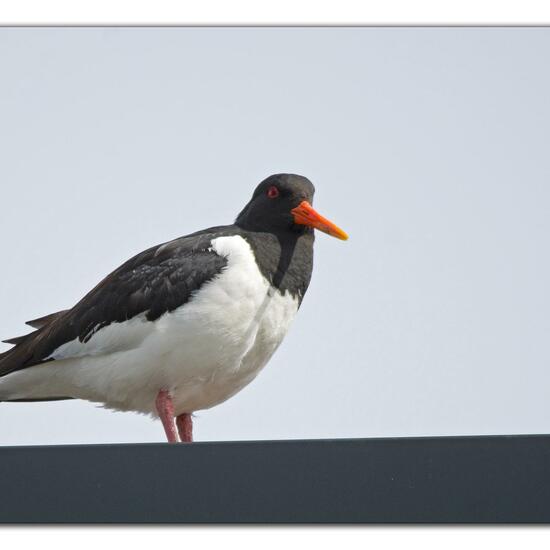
(203, 352)
(227, 332)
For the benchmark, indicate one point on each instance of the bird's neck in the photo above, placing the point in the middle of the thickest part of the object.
(285, 260)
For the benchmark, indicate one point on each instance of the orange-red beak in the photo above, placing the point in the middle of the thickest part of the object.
(304, 214)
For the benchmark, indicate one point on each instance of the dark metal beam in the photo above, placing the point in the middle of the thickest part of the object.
(441, 479)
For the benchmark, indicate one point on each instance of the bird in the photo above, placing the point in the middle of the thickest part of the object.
(184, 325)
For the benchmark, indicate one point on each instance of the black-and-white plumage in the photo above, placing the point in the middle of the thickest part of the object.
(196, 317)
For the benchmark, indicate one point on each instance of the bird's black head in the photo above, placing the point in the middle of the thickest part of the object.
(282, 204)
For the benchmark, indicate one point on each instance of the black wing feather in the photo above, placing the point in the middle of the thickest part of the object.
(156, 281)
(35, 323)
(41, 321)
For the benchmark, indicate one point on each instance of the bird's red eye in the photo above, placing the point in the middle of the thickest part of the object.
(273, 192)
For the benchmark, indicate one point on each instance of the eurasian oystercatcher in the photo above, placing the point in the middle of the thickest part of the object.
(184, 325)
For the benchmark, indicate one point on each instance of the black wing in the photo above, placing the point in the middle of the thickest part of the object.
(155, 281)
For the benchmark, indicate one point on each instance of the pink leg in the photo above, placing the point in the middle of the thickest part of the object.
(165, 408)
(184, 423)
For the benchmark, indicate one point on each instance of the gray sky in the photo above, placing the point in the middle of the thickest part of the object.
(429, 146)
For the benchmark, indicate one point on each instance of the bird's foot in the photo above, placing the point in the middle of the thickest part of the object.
(184, 422)
(165, 409)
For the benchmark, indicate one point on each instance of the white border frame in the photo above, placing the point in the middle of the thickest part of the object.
(272, 12)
